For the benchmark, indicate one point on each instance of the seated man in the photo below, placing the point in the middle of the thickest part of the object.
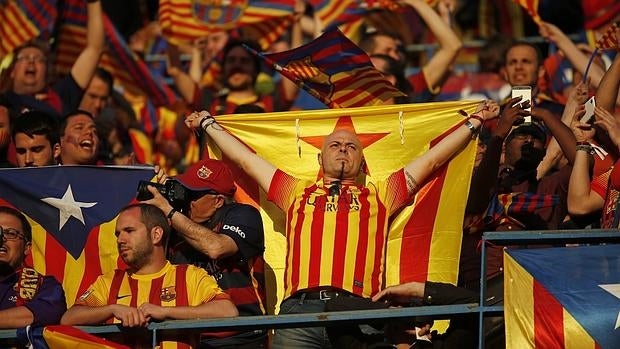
(127, 296)
(28, 298)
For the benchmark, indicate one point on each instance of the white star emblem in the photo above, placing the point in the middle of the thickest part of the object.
(615, 290)
(68, 207)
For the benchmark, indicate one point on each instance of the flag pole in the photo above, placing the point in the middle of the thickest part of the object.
(299, 82)
(585, 73)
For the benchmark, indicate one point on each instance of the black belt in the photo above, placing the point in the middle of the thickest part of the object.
(323, 295)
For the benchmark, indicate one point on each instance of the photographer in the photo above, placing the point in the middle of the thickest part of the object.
(224, 237)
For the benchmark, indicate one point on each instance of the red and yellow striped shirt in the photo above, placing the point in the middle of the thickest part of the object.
(336, 240)
(173, 285)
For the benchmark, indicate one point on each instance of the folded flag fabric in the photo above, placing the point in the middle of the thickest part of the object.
(62, 336)
(566, 297)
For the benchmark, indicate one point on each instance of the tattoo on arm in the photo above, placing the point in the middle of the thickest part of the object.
(412, 184)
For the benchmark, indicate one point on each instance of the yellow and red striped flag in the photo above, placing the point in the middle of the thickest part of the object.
(609, 39)
(424, 240)
(531, 6)
(572, 304)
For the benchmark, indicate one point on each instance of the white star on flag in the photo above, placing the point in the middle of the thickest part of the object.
(68, 207)
(615, 290)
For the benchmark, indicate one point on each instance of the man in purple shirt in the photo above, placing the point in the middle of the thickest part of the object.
(26, 297)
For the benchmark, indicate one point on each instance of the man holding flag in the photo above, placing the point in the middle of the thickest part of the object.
(338, 220)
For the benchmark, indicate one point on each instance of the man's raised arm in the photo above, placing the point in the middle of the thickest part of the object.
(258, 168)
(85, 65)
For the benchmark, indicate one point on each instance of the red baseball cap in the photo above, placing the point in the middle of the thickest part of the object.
(209, 175)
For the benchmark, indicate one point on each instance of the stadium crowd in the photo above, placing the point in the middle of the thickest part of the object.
(543, 163)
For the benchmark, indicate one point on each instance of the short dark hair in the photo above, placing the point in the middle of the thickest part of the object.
(539, 56)
(65, 119)
(368, 41)
(232, 43)
(106, 76)
(152, 217)
(26, 227)
(36, 122)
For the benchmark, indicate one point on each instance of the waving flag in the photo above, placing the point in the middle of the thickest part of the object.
(424, 240)
(72, 210)
(566, 297)
(336, 71)
(128, 70)
(608, 40)
(24, 20)
(185, 20)
(531, 6)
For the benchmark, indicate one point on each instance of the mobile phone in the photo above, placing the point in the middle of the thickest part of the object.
(588, 117)
(526, 93)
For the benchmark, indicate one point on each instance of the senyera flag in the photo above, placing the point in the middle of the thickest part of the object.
(73, 211)
(334, 70)
(62, 336)
(424, 239)
(564, 297)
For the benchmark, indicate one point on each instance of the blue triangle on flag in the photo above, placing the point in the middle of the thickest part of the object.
(69, 201)
(585, 280)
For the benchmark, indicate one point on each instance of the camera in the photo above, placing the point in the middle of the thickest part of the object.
(177, 195)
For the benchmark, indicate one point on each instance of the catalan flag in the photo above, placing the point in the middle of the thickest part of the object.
(24, 20)
(336, 71)
(609, 39)
(62, 336)
(424, 240)
(565, 297)
(72, 210)
(531, 6)
(127, 68)
(185, 20)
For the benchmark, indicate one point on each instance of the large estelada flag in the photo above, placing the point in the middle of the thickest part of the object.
(186, 20)
(565, 297)
(424, 239)
(336, 71)
(126, 67)
(73, 211)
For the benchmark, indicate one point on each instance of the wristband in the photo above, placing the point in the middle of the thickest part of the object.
(206, 122)
(472, 128)
(587, 148)
(477, 117)
(171, 213)
(584, 143)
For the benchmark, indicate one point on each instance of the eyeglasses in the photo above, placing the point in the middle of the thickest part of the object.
(11, 234)
(31, 58)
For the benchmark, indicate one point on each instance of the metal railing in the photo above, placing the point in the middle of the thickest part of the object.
(365, 316)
